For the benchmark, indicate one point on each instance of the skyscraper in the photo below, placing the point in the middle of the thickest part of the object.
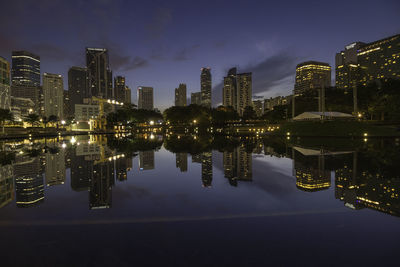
(380, 60)
(258, 107)
(195, 98)
(99, 73)
(229, 91)
(119, 88)
(206, 169)
(237, 90)
(53, 92)
(312, 75)
(5, 97)
(244, 92)
(25, 68)
(145, 98)
(205, 87)
(347, 70)
(180, 95)
(77, 86)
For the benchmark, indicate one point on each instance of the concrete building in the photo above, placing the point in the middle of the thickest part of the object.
(55, 168)
(195, 98)
(312, 75)
(99, 73)
(229, 91)
(146, 160)
(53, 93)
(205, 87)
(85, 112)
(34, 93)
(272, 102)
(25, 69)
(21, 108)
(145, 98)
(180, 95)
(119, 89)
(5, 96)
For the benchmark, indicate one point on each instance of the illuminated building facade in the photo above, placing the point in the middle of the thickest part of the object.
(347, 70)
(5, 96)
(237, 90)
(122, 93)
(380, 60)
(312, 75)
(258, 107)
(145, 98)
(180, 95)
(77, 87)
(205, 87)
(53, 93)
(195, 98)
(99, 73)
(270, 103)
(33, 93)
(311, 174)
(25, 69)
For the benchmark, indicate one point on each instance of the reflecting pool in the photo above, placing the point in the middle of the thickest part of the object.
(199, 200)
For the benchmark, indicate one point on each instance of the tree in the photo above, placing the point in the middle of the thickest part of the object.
(32, 119)
(249, 113)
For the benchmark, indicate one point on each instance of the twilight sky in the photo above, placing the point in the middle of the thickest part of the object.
(164, 43)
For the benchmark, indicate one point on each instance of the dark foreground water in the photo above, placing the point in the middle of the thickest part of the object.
(199, 201)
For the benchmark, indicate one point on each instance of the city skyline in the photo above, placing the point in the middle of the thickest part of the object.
(271, 48)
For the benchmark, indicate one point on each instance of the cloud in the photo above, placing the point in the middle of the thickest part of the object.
(267, 75)
(50, 51)
(161, 18)
(183, 54)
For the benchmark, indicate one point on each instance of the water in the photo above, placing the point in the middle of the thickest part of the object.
(215, 201)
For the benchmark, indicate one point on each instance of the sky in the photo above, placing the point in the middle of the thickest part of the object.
(164, 43)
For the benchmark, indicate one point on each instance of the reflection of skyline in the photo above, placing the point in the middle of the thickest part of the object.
(206, 169)
(55, 168)
(6, 185)
(181, 161)
(146, 160)
(237, 165)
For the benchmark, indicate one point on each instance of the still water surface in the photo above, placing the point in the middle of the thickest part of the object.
(214, 201)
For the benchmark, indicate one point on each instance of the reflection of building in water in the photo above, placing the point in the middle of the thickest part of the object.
(6, 185)
(206, 169)
(196, 158)
(29, 188)
(310, 172)
(237, 165)
(82, 165)
(122, 166)
(100, 192)
(367, 188)
(55, 168)
(146, 160)
(181, 161)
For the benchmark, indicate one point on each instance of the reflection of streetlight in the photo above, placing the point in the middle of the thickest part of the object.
(151, 122)
(359, 115)
(63, 122)
(194, 121)
(73, 140)
(152, 136)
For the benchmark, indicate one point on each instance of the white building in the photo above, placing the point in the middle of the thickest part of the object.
(53, 93)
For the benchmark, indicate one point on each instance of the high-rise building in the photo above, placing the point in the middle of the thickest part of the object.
(244, 92)
(237, 90)
(146, 160)
(270, 103)
(205, 87)
(25, 68)
(67, 105)
(380, 60)
(258, 107)
(53, 93)
(238, 165)
(32, 93)
(99, 73)
(5, 96)
(347, 70)
(312, 75)
(195, 98)
(128, 95)
(145, 98)
(180, 95)
(229, 91)
(119, 88)
(77, 86)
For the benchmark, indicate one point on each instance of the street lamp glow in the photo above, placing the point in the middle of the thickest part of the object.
(73, 140)
(194, 121)
(151, 122)
(63, 122)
